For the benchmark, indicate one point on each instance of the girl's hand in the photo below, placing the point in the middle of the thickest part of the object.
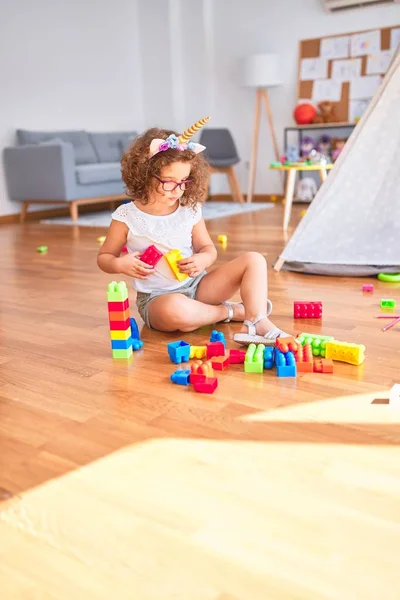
(194, 265)
(130, 265)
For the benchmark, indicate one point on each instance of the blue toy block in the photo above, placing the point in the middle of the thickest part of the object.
(181, 377)
(285, 364)
(179, 351)
(137, 344)
(217, 336)
(121, 344)
(134, 329)
(268, 357)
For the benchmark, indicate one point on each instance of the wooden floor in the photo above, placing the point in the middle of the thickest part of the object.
(114, 483)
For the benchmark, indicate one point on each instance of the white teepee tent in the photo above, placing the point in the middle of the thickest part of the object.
(353, 224)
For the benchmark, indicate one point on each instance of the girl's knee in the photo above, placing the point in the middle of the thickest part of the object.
(173, 315)
(255, 258)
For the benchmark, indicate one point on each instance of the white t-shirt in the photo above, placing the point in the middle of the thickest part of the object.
(166, 232)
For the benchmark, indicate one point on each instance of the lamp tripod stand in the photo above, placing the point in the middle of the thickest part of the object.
(261, 96)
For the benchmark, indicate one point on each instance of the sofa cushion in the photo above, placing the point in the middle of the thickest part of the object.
(110, 146)
(83, 149)
(98, 173)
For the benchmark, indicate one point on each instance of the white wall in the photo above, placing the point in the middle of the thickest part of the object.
(106, 65)
(67, 64)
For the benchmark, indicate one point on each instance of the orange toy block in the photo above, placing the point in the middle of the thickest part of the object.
(220, 363)
(323, 365)
(200, 371)
(120, 315)
(286, 344)
(304, 359)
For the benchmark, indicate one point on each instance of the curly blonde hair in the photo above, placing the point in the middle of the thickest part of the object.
(138, 169)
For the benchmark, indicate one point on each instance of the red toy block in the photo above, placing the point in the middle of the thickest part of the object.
(208, 386)
(286, 344)
(117, 306)
(220, 363)
(323, 365)
(368, 287)
(121, 315)
(236, 357)
(307, 310)
(304, 359)
(151, 256)
(120, 325)
(215, 349)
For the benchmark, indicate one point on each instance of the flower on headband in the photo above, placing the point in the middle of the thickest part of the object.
(173, 141)
(191, 146)
(164, 146)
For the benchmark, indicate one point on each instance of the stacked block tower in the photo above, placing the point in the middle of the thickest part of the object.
(118, 316)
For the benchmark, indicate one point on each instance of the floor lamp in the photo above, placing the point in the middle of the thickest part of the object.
(261, 71)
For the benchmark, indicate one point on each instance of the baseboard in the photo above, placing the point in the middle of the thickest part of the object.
(38, 215)
(256, 198)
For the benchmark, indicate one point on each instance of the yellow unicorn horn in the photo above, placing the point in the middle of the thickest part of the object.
(188, 133)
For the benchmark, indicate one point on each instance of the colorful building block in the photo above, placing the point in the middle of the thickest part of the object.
(198, 352)
(368, 287)
(208, 386)
(307, 310)
(179, 351)
(286, 344)
(304, 359)
(236, 357)
(151, 256)
(215, 349)
(122, 353)
(217, 336)
(220, 363)
(136, 341)
(353, 354)
(119, 320)
(285, 364)
(254, 361)
(317, 342)
(117, 292)
(200, 371)
(172, 258)
(181, 377)
(269, 357)
(222, 239)
(386, 303)
(323, 365)
(121, 344)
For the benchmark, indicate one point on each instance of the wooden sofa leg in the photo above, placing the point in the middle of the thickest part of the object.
(24, 210)
(73, 211)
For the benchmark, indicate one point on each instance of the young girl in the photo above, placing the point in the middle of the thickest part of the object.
(166, 176)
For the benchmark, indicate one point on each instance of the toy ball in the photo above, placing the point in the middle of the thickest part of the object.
(304, 114)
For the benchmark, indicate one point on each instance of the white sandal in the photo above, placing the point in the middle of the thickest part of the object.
(230, 306)
(252, 337)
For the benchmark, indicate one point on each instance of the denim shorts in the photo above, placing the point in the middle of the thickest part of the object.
(188, 289)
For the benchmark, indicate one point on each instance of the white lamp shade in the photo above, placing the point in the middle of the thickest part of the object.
(262, 70)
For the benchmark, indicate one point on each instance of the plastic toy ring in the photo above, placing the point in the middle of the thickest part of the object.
(391, 277)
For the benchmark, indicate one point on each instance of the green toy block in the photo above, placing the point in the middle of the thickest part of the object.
(117, 292)
(42, 249)
(122, 353)
(254, 360)
(317, 342)
(386, 303)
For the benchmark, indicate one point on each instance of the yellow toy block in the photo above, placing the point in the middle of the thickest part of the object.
(198, 351)
(172, 258)
(123, 334)
(223, 239)
(354, 354)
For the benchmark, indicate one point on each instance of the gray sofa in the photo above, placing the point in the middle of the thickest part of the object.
(55, 167)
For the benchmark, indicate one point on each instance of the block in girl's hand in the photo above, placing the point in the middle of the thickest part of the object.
(172, 257)
(151, 256)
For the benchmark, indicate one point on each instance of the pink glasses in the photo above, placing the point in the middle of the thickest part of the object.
(170, 186)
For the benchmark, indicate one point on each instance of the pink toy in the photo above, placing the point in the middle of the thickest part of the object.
(367, 287)
(307, 310)
(151, 256)
(236, 357)
(208, 386)
(215, 349)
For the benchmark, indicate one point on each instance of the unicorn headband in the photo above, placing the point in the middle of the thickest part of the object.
(179, 143)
